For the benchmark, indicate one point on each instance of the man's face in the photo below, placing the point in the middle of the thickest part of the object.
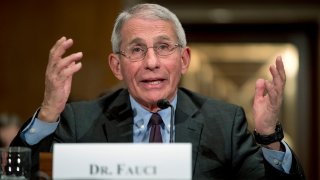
(154, 77)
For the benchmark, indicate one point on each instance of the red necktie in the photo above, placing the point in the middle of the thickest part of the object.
(155, 123)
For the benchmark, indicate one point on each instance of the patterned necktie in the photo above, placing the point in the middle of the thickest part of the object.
(155, 123)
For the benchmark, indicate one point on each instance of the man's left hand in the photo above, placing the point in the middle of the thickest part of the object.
(268, 100)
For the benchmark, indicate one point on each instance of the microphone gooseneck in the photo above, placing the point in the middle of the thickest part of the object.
(164, 104)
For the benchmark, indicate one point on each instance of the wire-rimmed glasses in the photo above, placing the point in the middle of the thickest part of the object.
(138, 52)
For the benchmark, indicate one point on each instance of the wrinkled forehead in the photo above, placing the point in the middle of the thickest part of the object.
(141, 30)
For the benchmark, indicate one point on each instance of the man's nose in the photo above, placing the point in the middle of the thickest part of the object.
(151, 59)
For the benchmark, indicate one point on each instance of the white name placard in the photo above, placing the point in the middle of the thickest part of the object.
(123, 161)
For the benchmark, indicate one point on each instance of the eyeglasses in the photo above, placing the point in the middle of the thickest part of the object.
(138, 52)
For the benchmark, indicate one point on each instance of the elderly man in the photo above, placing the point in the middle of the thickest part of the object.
(150, 54)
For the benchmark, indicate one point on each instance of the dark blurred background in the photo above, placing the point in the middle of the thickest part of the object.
(233, 43)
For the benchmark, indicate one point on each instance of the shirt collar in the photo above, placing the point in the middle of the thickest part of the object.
(141, 116)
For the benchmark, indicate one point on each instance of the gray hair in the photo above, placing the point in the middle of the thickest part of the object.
(146, 11)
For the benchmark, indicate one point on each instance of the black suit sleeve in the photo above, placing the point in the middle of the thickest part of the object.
(244, 143)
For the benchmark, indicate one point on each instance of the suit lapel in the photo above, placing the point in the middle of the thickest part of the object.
(188, 124)
(118, 123)
(118, 120)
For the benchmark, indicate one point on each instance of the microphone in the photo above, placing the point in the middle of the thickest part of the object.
(164, 104)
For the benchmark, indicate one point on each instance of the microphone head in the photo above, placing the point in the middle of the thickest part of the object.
(163, 103)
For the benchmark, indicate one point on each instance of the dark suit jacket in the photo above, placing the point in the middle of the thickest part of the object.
(221, 144)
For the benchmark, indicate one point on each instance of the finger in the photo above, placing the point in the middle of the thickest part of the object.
(70, 70)
(280, 68)
(273, 93)
(54, 71)
(61, 48)
(69, 60)
(53, 50)
(260, 88)
(57, 52)
(54, 47)
(276, 78)
(57, 70)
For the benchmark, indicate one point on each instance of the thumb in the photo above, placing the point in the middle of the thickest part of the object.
(260, 88)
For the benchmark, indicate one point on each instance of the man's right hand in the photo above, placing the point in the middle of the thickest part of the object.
(58, 79)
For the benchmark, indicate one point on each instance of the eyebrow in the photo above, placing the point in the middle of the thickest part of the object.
(163, 37)
(158, 38)
(136, 41)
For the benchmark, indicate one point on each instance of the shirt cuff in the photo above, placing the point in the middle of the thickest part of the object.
(37, 130)
(278, 159)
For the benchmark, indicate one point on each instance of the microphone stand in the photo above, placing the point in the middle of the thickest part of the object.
(163, 104)
(171, 124)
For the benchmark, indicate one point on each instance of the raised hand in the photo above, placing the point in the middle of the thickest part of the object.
(58, 79)
(268, 99)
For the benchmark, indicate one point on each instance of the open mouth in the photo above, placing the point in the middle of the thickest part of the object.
(153, 82)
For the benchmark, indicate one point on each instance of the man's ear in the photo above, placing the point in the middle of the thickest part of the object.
(114, 63)
(185, 59)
